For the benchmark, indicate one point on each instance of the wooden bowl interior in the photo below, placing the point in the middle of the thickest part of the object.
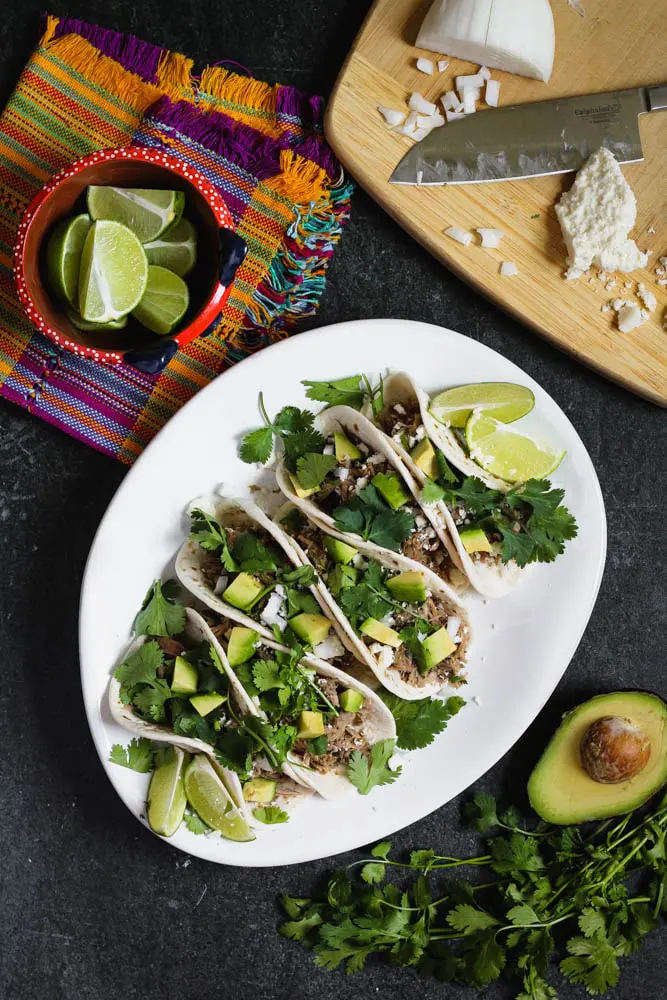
(68, 198)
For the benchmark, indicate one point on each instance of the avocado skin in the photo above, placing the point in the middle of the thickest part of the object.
(560, 790)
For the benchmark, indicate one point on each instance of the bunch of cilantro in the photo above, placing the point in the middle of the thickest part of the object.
(531, 520)
(584, 896)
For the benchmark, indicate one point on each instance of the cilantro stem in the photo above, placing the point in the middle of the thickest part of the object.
(265, 416)
(317, 689)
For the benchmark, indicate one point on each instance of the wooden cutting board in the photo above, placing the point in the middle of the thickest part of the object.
(615, 45)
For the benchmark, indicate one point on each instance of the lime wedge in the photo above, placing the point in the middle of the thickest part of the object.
(512, 456)
(63, 256)
(503, 400)
(166, 793)
(212, 802)
(113, 272)
(147, 213)
(83, 324)
(165, 301)
(176, 249)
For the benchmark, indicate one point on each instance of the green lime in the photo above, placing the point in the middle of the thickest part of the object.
(63, 257)
(176, 249)
(166, 793)
(83, 324)
(113, 272)
(512, 456)
(212, 802)
(503, 400)
(165, 301)
(147, 213)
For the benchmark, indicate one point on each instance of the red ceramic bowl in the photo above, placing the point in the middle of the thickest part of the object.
(219, 253)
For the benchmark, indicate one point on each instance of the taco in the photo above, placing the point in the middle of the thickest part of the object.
(432, 451)
(311, 714)
(369, 497)
(180, 690)
(239, 564)
(408, 626)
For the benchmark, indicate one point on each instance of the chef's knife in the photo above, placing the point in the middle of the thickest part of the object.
(531, 140)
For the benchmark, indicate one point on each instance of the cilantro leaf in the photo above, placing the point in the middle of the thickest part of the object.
(138, 755)
(591, 922)
(373, 872)
(522, 914)
(266, 675)
(419, 722)
(382, 849)
(431, 492)
(365, 774)
(445, 472)
(318, 746)
(149, 701)
(349, 520)
(485, 959)
(467, 919)
(482, 812)
(257, 446)
(195, 823)
(313, 468)
(305, 576)
(343, 391)
(391, 528)
(291, 419)
(159, 614)
(205, 530)
(139, 668)
(252, 555)
(516, 545)
(301, 443)
(538, 493)
(270, 814)
(593, 962)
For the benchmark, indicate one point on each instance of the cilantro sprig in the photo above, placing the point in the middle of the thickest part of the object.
(419, 722)
(545, 892)
(369, 515)
(293, 427)
(160, 614)
(270, 814)
(366, 773)
(530, 519)
(138, 755)
(352, 391)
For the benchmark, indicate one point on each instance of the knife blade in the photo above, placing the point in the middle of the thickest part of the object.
(531, 140)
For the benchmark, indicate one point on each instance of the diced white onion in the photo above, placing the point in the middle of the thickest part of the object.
(392, 117)
(419, 104)
(330, 648)
(453, 626)
(442, 65)
(492, 93)
(508, 268)
(425, 65)
(409, 125)
(484, 72)
(418, 135)
(470, 96)
(491, 237)
(517, 36)
(430, 121)
(460, 235)
(473, 80)
(450, 101)
(452, 116)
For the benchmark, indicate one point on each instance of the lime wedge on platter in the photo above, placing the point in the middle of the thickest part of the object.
(147, 213)
(210, 799)
(166, 793)
(176, 249)
(504, 401)
(164, 302)
(63, 256)
(113, 274)
(506, 453)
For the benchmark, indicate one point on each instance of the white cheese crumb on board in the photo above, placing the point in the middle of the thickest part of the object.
(463, 236)
(508, 268)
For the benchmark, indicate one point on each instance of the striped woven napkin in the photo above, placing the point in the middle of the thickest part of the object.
(87, 88)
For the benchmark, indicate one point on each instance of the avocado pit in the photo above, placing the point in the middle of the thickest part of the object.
(614, 749)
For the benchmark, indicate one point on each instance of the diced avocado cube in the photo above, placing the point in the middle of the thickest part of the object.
(474, 540)
(259, 790)
(206, 703)
(344, 448)
(424, 457)
(185, 679)
(339, 551)
(243, 591)
(341, 577)
(381, 633)
(391, 488)
(311, 725)
(408, 587)
(311, 628)
(299, 490)
(437, 647)
(351, 700)
(241, 645)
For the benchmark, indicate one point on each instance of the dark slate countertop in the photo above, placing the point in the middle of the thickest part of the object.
(93, 906)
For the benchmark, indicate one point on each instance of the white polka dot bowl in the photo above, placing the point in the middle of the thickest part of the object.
(219, 253)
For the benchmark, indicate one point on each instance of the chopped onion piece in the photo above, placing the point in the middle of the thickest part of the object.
(474, 80)
(425, 65)
(430, 121)
(491, 237)
(453, 116)
(484, 72)
(450, 101)
(470, 96)
(508, 268)
(421, 105)
(392, 118)
(442, 65)
(492, 93)
(460, 235)
(418, 135)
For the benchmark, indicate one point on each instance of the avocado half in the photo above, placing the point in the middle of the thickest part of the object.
(561, 791)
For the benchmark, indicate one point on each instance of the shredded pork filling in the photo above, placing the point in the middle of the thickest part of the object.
(344, 734)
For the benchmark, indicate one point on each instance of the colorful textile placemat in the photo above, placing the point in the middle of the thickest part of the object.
(88, 88)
